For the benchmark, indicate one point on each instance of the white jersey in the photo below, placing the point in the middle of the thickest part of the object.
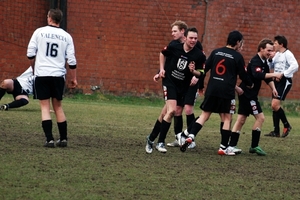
(285, 63)
(51, 46)
(26, 80)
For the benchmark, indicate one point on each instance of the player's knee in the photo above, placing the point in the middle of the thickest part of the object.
(189, 110)
(261, 119)
(171, 113)
(24, 101)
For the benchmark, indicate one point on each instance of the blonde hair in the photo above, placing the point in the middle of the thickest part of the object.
(181, 24)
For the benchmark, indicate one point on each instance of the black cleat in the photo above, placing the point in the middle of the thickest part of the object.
(62, 143)
(49, 144)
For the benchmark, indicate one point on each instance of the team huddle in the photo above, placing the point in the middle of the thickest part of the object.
(183, 66)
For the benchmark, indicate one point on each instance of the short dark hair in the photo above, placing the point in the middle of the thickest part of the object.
(263, 43)
(281, 40)
(56, 15)
(190, 29)
(233, 38)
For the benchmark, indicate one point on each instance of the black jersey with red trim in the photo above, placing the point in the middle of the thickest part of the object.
(224, 65)
(256, 69)
(177, 72)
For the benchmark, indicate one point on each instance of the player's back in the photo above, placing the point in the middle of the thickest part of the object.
(223, 64)
(52, 44)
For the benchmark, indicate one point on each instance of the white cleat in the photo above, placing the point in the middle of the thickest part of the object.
(161, 147)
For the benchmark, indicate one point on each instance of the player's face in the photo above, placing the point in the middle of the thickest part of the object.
(266, 52)
(191, 39)
(176, 33)
(48, 19)
(277, 46)
(239, 46)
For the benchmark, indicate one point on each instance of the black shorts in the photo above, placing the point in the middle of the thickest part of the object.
(283, 87)
(191, 95)
(18, 90)
(218, 105)
(49, 87)
(170, 92)
(248, 107)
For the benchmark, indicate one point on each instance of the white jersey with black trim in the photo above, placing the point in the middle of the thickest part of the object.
(285, 63)
(26, 80)
(51, 46)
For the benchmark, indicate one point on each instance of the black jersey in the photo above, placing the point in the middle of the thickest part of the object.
(198, 45)
(224, 65)
(177, 72)
(256, 69)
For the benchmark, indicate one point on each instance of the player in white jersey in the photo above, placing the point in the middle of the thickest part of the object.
(19, 87)
(285, 63)
(48, 50)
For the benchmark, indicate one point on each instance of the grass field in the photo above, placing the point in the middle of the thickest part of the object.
(106, 158)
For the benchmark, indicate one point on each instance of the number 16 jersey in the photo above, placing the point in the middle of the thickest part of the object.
(51, 46)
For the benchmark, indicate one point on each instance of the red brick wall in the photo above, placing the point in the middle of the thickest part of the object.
(118, 42)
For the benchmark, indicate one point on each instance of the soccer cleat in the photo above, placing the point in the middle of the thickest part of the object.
(181, 138)
(227, 152)
(192, 145)
(4, 107)
(149, 145)
(235, 150)
(161, 147)
(173, 144)
(272, 134)
(187, 142)
(257, 150)
(286, 131)
(61, 143)
(49, 144)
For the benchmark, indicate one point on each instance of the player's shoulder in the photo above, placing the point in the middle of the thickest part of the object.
(289, 53)
(255, 60)
(174, 42)
(199, 45)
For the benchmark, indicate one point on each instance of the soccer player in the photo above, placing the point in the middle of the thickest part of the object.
(19, 87)
(225, 64)
(285, 63)
(258, 70)
(177, 74)
(178, 29)
(48, 49)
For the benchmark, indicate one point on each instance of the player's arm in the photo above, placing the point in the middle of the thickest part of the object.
(73, 73)
(255, 68)
(197, 68)
(239, 90)
(273, 88)
(162, 60)
(293, 65)
(243, 74)
(31, 50)
(32, 62)
(71, 59)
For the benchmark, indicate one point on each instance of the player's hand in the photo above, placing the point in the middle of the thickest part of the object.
(194, 81)
(73, 83)
(239, 90)
(275, 93)
(162, 73)
(192, 66)
(201, 92)
(156, 77)
(278, 76)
